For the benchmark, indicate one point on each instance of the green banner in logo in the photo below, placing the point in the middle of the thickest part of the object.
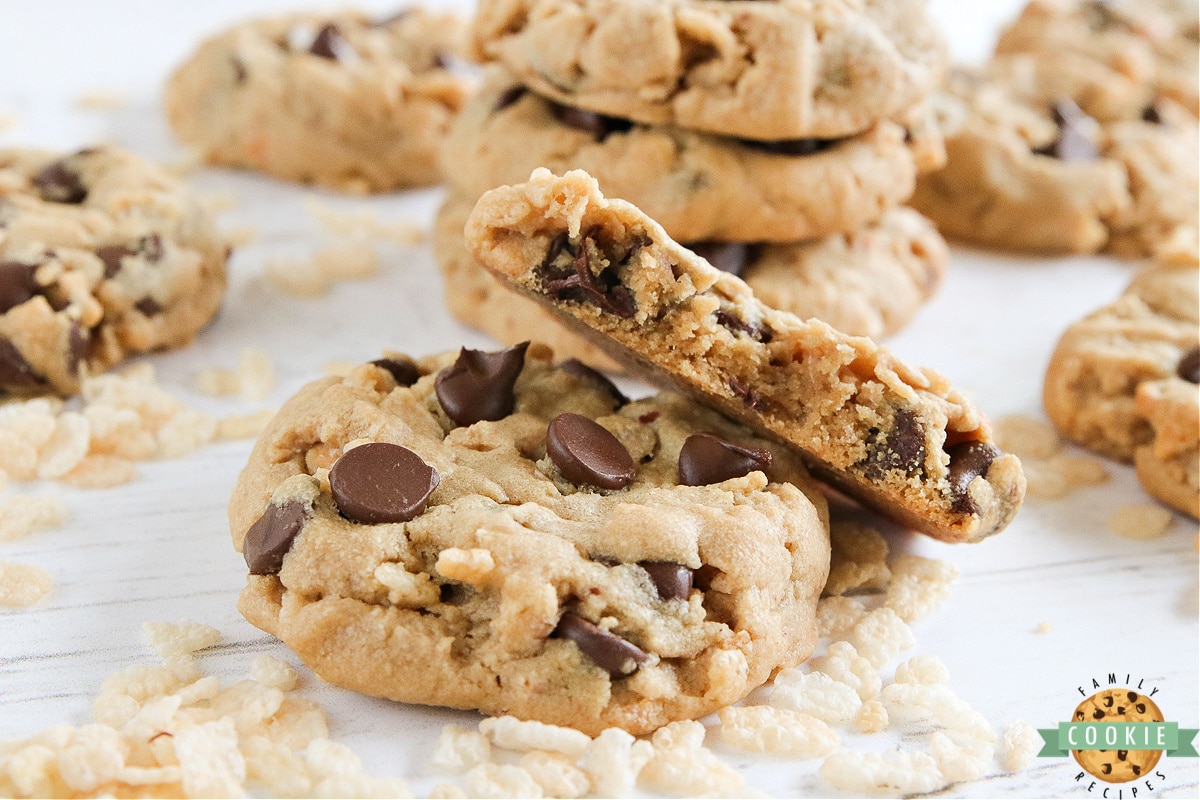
(1166, 736)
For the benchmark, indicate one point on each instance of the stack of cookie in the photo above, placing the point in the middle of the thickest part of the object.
(778, 140)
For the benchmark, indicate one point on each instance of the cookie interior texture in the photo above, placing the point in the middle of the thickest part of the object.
(515, 590)
(898, 438)
(102, 254)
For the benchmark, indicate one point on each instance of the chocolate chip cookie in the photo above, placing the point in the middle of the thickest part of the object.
(1100, 362)
(1116, 58)
(102, 254)
(487, 530)
(1048, 178)
(784, 69)
(898, 437)
(697, 185)
(1118, 705)
(343, 100)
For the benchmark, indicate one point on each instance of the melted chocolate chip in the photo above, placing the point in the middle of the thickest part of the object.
(509, 96)
(790, 147)
(731, 257)
(58, 183)
(608, 651)
(749, 396)
(968, 460)
(1074, 142)
(573, 366)
(731, 321)
(16, 284)
(579, 284)
(673, 581)
(1152, 115)
(587, 453)
(111, 255)
(403, 370)
(15, 371)
(271, 536)
(600, 126)
(148, 306)
(329, 43)
(1189, 366)
(381, 482)
(900, 448)
(706, 458)
(77, 347)
(479, 386)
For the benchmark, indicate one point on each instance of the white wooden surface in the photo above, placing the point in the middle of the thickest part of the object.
(158, 549)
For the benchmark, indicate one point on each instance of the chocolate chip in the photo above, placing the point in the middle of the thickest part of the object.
(607, 650)
(1189, 366)
(1074, 142)
(1120, 711)
(111, 255)
(673, 581)
(731, 321)
(16, 284)
(587, 453)
(148, 306)
(649, 417)
(600, 126)
(790, 147)
(15, 371)
(1152, 115)
(731, 257)
(1122, 755)
(239, 70)
(902, 447)
(573, 366)
(479, 386)
(1098, 714)
(509, 96)
(1132, 696)
(271, 536)
(749, 396)
(968, 460)
(707, 458)
(1108, 701)
(578, 283)
(403, 370)
(329, 43)
(151, 247)
(1141, 708)
(58, 183)
(77, 346)
(381, 482)
(1106, 769)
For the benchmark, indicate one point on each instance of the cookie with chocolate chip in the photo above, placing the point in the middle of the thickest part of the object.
(342, 100)
(868, 283)
(1022, 174)
(102, 255)
(493, 531)
(1118, 705)
(785, 69)
(1145, 336)
(895, 436)
(697, 185)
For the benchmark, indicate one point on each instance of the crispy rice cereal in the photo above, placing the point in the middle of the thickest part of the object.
(460, 749)
(777, 731)
(252, 379)
(511, 733)
(838, 615)
(364, 222)
(871, 718)
(858, 559)
(843, 663)
(556, 774)
(880, 636)
(682, 765)
(22, 514)
(815, 694)
(919, 585)
(1140, 521)
(894, 772)
(1020, 745)
(614, 760)
(22, 585)
(312, 277)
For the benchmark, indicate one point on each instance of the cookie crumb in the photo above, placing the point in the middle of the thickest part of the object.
(22, 514)
(1044, 627)
(1140, 521)
(22, 585)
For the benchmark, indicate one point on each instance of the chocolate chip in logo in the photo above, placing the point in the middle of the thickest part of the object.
(1189, 366)
(587, 453)
(148, 306)
(270, 537)
(58, 183)
(479, 386)
(15, 371)
(707, 458)
(329, 43)
(902, 447)
(1098, 714)
(608, 651)
(673, 581)
(16, 284)
(1074, 141)
(578, 283)
(509, 96)
(731, 257)
(403, 370)
(968, 460)
(381, 482)
(600, 126)
(790, 147)
(573, 366)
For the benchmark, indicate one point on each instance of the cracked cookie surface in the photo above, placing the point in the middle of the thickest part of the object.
(897, 437)
(342, 100)
(491, 572)
(761, 69)
(102, 255)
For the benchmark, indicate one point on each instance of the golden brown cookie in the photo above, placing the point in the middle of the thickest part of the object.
(1118, 705)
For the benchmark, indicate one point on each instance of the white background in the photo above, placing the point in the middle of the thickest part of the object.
(158, 549)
